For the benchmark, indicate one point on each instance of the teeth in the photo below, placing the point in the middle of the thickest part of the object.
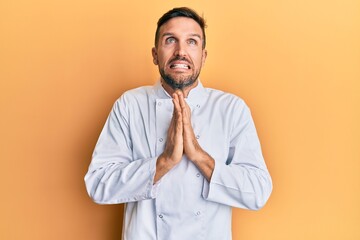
(183, 66)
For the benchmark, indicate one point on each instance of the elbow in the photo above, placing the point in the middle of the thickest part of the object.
(98, 195)
(259, 195)
(95, 197)
(93, 189)
(101, 192)
(263, 195)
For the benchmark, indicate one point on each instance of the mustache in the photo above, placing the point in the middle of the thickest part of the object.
(178, 58)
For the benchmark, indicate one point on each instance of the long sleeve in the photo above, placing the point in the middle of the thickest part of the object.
(113, 175)
(243, 179)
(135, 134)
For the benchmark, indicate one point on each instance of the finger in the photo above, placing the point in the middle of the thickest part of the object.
(177, 108)
(178, 113)
(185, 110)
(175, 118)
(181, 100)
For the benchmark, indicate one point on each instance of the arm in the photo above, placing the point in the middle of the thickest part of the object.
(202, 160)
(174, 144)
(243, 181)
(113, 175)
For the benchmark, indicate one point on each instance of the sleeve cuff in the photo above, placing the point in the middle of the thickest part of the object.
(208, 187)
(152, 171)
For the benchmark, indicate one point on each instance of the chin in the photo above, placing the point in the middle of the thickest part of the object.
(178, 81)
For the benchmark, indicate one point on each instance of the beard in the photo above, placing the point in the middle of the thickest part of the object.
(180, 81)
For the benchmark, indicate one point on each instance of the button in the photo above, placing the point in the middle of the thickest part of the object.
(198, 106)
(198, 213)
(159, 103)
(197, 136)
(198, 174)
(160, 139)
(161, 216)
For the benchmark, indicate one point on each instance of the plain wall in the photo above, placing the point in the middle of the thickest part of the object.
(295, 63)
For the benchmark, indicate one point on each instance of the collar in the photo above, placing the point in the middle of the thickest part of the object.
(196, 97)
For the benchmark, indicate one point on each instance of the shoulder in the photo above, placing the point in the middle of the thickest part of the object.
(225, 98)
(135, 95)
(133, 99)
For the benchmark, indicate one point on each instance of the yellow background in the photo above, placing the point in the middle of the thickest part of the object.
(296, 63)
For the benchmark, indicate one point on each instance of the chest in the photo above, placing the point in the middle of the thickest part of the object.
(149, 126)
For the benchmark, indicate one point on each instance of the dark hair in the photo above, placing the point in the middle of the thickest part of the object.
(181, 12)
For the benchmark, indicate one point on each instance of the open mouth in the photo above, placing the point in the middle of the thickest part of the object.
(179, 66)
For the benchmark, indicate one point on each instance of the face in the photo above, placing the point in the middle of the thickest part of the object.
(179, 54)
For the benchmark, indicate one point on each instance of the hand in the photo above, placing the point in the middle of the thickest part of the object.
(174, 148)
(181, 139)
(174, 145)
(192, 149)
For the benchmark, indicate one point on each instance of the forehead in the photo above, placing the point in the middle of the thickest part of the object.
(181, 26)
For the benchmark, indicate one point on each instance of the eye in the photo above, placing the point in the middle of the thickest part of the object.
(170, 40)
(192, 42)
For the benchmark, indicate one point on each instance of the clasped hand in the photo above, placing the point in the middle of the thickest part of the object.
(181, 138)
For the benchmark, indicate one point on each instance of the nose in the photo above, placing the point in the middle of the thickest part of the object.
(180, 49)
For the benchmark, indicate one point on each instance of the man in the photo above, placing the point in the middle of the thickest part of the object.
(178, 154)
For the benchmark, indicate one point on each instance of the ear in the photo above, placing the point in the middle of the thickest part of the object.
(154, 55)
(204, 55)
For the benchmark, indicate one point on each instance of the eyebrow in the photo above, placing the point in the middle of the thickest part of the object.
(191, 35)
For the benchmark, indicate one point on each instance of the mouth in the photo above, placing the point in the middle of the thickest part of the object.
(179, 66)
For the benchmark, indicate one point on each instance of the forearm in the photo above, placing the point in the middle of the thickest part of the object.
(205, 163)
(163, 166)
(174, 148)
(118, 182)
(240, 186)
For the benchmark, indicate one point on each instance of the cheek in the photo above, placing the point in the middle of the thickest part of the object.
(163, 58)
(162, 62)
(198, 60)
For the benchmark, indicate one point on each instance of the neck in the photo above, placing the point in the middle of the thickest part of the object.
(185, 90)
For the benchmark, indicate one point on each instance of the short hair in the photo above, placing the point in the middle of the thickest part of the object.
(181, 12)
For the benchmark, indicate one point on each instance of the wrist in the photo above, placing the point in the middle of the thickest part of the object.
(165, 161)
(199, 156)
